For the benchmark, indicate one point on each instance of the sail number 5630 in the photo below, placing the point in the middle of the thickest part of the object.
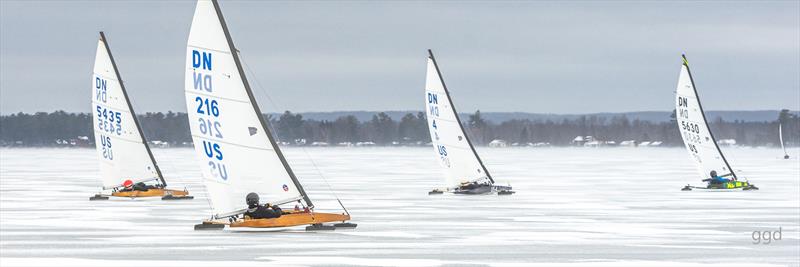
(691, 127)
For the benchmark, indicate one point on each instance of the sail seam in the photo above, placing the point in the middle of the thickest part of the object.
(106, 77)
(229, 143)
(219, 97)
(111, 107)
(129, 140)
(210, 49)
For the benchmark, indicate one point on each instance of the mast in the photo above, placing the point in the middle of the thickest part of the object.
(250, 94)
(703, 113)
(130, 107)
(458, 120)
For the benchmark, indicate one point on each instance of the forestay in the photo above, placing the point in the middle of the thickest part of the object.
(452, 147)
(694, 128)
(120, 145)
(236, 151)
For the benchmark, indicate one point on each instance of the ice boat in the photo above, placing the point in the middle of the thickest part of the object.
(699, 140)
(783, 146)
(125, 156)
(463, 169)
(236, 151)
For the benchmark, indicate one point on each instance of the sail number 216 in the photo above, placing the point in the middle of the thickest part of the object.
(207, 107)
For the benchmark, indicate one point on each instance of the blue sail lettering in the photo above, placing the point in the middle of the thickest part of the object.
(218, 170)
(195, 59)
(213, 150)
(433, 98)
(206, 61)
(202, 81)
(434, 110)
(218, 150)
(100, 86)
(203, 61)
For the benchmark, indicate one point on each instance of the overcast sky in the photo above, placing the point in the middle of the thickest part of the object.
(538, 56)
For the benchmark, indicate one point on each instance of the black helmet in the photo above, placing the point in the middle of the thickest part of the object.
(713, 173)
(252, 199)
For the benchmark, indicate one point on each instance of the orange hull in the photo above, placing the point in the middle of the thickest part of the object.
(292, 219)
(151, 193)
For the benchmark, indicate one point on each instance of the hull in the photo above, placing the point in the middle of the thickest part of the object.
(151, 193)
(292, 219)
(479, 190)
(729, 186)
(484, 189)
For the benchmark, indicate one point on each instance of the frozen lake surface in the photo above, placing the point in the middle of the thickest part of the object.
(574, 206)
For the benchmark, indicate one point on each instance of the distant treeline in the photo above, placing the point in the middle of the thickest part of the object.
(61, 128)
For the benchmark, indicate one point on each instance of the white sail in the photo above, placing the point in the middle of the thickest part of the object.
(120, 146)
(780, 135)
(694, 129)
(236, 153)
(453, 150)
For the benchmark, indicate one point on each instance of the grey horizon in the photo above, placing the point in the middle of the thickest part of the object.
(532, 57)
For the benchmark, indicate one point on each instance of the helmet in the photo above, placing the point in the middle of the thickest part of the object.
(713, 173)
(251, 199)
(127, 183)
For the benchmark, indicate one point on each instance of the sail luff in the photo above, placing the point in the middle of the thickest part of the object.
(458, 120)
(130, 108)
(276, 148)
(703, 114)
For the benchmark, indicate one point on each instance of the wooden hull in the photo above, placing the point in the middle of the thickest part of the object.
(292, 219)
(151, 193)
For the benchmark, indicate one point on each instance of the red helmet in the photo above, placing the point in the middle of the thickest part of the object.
(127, 183)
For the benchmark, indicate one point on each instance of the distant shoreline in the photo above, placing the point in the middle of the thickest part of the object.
(502, 116)
(395, 128)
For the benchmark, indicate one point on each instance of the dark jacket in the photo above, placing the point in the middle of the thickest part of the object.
(262, 212)
(278, 211)
(138, 187)
(142, 187)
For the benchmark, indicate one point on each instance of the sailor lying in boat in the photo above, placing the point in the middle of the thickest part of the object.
(256, 211)
(716, 179)
(471, 185)
(140, 186)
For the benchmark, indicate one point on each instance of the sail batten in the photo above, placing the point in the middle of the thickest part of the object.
(223, 98)
(693, 125)
(447, 132)
(123, 151)
(237, 151)
(209, 49)
(237, 145)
